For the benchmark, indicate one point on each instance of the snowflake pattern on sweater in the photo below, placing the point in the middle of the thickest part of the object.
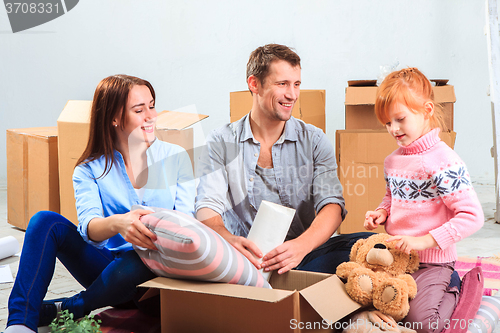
(445, 182)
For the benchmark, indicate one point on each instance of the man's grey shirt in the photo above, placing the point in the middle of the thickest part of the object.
(304, 166)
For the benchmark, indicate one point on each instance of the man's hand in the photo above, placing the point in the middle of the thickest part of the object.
(286, 256)
(408, 243)
(374, 218)
(247, 248)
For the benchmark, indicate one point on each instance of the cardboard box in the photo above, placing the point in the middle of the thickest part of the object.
(173, 127)
(73, 130)
(32, 176)
(310, 106)
(298, 298)
(360, 159)
(360, 104)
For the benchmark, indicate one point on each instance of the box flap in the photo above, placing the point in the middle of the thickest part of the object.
(150, 293)
(76, 112)
(329, 299)
(363, 92)
(223, 289)
(372, 83)
(295, 279)
(362, 83)
(444, 94)
(177, 120)
(45, 132)
(360, 95)
(440, 82)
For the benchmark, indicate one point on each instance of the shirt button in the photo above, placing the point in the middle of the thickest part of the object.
(255, 154)
(251, 179)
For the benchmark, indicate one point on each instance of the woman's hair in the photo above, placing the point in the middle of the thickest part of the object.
(411, 88)
(110, 100)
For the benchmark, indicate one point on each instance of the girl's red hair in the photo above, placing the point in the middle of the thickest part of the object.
(411, 88)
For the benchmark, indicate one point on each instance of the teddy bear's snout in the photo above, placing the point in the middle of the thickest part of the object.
(379, 256)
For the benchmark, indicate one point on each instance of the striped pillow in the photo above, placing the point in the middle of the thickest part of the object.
(188, 249)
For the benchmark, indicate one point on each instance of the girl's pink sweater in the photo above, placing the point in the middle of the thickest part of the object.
(429, 191)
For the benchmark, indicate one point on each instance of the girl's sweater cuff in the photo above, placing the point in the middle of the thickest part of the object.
(442, 237)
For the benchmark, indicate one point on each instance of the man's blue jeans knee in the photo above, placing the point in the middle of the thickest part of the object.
(332, 253)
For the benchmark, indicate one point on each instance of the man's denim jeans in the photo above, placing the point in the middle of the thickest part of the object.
(332, 253)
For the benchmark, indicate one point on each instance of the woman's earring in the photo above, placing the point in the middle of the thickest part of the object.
(115, 125)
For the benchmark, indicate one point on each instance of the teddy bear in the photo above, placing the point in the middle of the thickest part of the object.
(378, 275)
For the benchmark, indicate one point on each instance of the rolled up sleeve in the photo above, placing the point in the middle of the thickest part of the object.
(213, 179)
(326, 185)
(88, 201)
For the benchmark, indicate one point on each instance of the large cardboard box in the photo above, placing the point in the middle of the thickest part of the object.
(73, 130)
(310, 106)
(360, 159)
(32, 176)
(299, 300)
(360, 104)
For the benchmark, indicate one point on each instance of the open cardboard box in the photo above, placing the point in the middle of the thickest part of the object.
(32, 175)
(298, 300)
(310, 106)
(360, 160)
(73, 132)
(360, 103)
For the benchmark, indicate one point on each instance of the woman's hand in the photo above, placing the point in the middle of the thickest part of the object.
(408, 243)
(374, 218)
(134, 231)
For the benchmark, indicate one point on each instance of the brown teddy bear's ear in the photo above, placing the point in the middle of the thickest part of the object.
(413, 262)
(355, 248)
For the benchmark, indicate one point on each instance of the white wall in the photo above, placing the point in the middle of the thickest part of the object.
(195, 52)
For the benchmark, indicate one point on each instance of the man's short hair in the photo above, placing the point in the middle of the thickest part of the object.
(262, 57)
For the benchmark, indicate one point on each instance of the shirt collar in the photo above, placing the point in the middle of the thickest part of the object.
(290, 132)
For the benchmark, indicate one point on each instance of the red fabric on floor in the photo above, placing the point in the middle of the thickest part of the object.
(128, 321)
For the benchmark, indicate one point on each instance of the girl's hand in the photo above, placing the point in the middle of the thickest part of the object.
(408, 243)
(134, 231)
(374, 218)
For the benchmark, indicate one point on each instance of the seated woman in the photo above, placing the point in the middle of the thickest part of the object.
(123, 165)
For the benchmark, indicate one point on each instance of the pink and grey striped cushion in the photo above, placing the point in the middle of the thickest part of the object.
(188, 249)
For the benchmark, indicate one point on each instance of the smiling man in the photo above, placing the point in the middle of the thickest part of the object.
(270, 155)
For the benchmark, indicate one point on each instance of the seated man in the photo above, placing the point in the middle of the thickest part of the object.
(270, 155)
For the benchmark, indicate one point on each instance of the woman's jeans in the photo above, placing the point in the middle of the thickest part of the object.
(109, 279)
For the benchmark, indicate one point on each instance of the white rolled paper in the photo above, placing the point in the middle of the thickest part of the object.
(8, 246)
(270, 227)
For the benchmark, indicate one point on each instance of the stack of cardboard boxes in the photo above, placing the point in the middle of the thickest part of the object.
(32, 174)
(362, 147)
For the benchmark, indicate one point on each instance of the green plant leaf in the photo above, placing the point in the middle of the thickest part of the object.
(67, 324)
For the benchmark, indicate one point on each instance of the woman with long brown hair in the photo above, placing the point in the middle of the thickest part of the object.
(123, 165)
